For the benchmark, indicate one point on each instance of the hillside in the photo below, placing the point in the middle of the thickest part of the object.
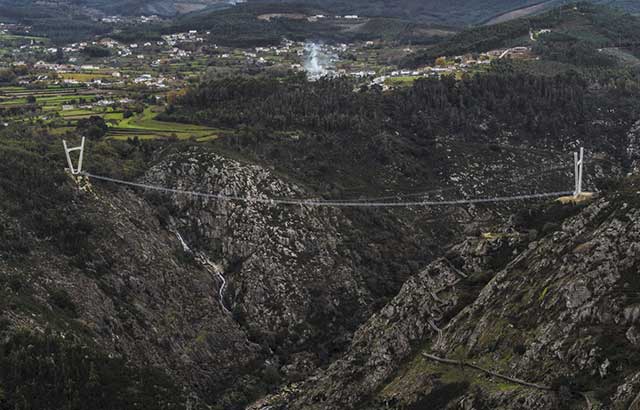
(249, 236)
(456, 12)
(74, 20)
(247, 25)
(167, 8)
(408, 22)
(227, 301)
(574, 34)
(61, 21)
(459, 13)
(557, 317)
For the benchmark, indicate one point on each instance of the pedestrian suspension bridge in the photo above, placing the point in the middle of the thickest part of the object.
(359, 203)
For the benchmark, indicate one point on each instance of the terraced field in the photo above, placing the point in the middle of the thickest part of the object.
(12, 96)
(51, 102)
(11, 40)
(86, 76)
(145, 126)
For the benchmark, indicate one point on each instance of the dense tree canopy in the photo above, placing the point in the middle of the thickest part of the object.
(46, 372)
(542, 106)
(335, 132)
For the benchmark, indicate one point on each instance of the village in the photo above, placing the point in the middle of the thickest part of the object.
(127, 84)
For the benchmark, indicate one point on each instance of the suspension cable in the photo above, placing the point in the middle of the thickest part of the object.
(323, 203)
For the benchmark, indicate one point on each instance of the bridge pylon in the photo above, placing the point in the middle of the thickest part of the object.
(578, 161)
(68, 151)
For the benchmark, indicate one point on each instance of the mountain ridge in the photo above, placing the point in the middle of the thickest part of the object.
(457, 12)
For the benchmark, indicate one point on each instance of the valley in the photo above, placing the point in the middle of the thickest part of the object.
(319, 205)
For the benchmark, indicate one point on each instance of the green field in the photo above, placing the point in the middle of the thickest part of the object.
(84, 77)
(145, 126)
(401, 81)
(12, 37)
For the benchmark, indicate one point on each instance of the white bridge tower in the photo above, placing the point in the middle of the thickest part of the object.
(68, 151)
(578, 160)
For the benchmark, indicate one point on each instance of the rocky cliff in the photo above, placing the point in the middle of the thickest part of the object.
(230, 299)
(226, 298)
(290, 278)
(560, 315)
(219, 295)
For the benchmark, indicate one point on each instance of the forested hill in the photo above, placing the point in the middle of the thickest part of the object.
(244, 25)
(578, 33)
(404, 21)
(453, 12)
(458, 12)
(341, 132)
(166, 8)
(61, 22)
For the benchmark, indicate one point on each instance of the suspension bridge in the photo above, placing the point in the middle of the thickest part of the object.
(379, 202)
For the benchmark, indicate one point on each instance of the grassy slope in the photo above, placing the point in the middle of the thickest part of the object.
(145, 126)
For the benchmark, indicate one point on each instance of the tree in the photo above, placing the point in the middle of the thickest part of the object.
(93, 127)
(7, 76)
(60, 57)
(96, 51)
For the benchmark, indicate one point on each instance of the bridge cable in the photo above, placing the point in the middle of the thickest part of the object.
(326, 203)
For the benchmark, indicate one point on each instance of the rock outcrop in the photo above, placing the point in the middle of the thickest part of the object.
(561, 313)
(290, 277)
(231, 298)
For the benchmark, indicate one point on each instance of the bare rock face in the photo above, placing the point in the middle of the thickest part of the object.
(633, 148)
(562, 314)
(390, 337)
(223, 294)
(377, 348)
(289, 279)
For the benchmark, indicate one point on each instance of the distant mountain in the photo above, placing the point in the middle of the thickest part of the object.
(71, 20)
(458, 12)
(159, 7)
(441, 11)
(405, 21)
(581, 34)
(449, 12)
(166, 8)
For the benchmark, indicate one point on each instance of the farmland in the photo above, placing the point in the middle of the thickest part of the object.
(145, 126)
(123, 86)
